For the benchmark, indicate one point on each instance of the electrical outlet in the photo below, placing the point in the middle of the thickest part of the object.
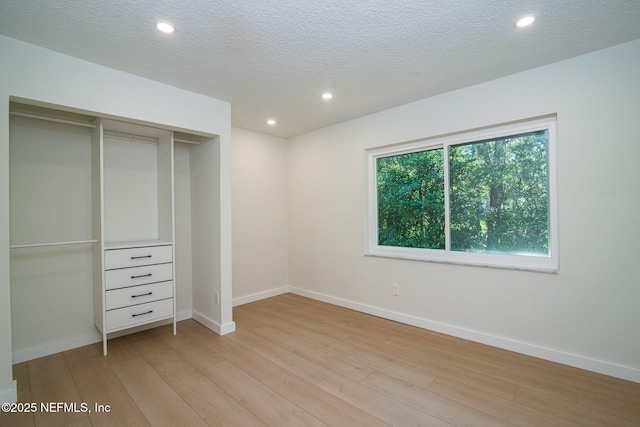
(218, 298)
(395, 289)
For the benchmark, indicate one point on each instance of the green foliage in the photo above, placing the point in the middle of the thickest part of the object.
(411, 200)
(498, 197)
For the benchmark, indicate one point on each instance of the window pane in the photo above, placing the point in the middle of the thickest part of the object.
(411, 200)
(499, 195)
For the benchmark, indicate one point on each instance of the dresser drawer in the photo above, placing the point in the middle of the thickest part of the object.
(134, 295)
(139, 314)
(132, 257)
(126, 277)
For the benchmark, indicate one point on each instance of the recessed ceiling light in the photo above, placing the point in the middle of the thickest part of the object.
(327, 95)
(525, 21)
(271, 122)
(165, 28)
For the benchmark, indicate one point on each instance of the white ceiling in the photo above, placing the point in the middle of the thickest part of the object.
(274, 58)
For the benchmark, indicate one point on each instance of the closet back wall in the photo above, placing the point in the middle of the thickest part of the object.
(50, 201)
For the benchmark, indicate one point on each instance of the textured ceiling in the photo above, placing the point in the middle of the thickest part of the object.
(273, 59)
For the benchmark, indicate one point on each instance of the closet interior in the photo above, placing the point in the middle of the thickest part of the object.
(101, 233)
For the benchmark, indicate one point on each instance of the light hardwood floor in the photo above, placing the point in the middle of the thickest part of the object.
(296, 362)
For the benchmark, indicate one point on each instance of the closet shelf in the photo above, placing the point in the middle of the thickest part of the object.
(52, 119)
(39, 245)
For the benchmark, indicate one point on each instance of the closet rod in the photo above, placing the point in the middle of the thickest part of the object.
(39, 245)
(51, 119)
(186, 141)
(130, 137)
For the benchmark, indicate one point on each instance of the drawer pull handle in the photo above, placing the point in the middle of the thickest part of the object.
(141, 314)
(142, 275)
(141, 295)
(140, 257)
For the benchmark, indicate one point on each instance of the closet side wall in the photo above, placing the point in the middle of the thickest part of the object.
(206, 209)
(182, 264)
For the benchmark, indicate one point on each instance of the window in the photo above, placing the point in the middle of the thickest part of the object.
(483, 197)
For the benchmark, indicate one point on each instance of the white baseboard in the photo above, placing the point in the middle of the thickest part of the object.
(184, 315)
(11, 395)
(220, 329)
(260, 295)
(80, 341)
(55, 347)
(577, 361)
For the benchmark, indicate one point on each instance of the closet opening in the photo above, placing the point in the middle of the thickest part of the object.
(114, 228)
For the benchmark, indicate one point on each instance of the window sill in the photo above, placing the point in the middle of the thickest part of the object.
(406, 257)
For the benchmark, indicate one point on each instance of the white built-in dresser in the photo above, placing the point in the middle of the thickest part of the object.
(134, 216)
(138, 285)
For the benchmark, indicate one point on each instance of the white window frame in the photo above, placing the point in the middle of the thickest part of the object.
(547, 264)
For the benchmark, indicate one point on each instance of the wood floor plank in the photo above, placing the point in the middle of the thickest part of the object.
(377, 404)
(51, 381)
(26, 419)
(627, 410)
(384, 363)
(244, 322)
(267, 318)
(159, 403)
(502, 408)
(352, 323)
(319, 403)
(21, 375)
(84, 422)
(433, 339)
(318, 355)
(155, 351)
(251, 362)
(272, 304)
(82, 352)
(427, 401)
(631, 392)
(121, 353)
(210, 402)
(577, 413)
(317, 322)
(279, 304)
(497, 372)
(282, 357)
(98, 384)
(544, 369)
(441, 366)
(269, 406)
(289, 323)
(163, 330)
(192, 350)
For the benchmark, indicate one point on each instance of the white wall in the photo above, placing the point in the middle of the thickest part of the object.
(587, 315)
(260, 245)
(33, 73)
(50, 201)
